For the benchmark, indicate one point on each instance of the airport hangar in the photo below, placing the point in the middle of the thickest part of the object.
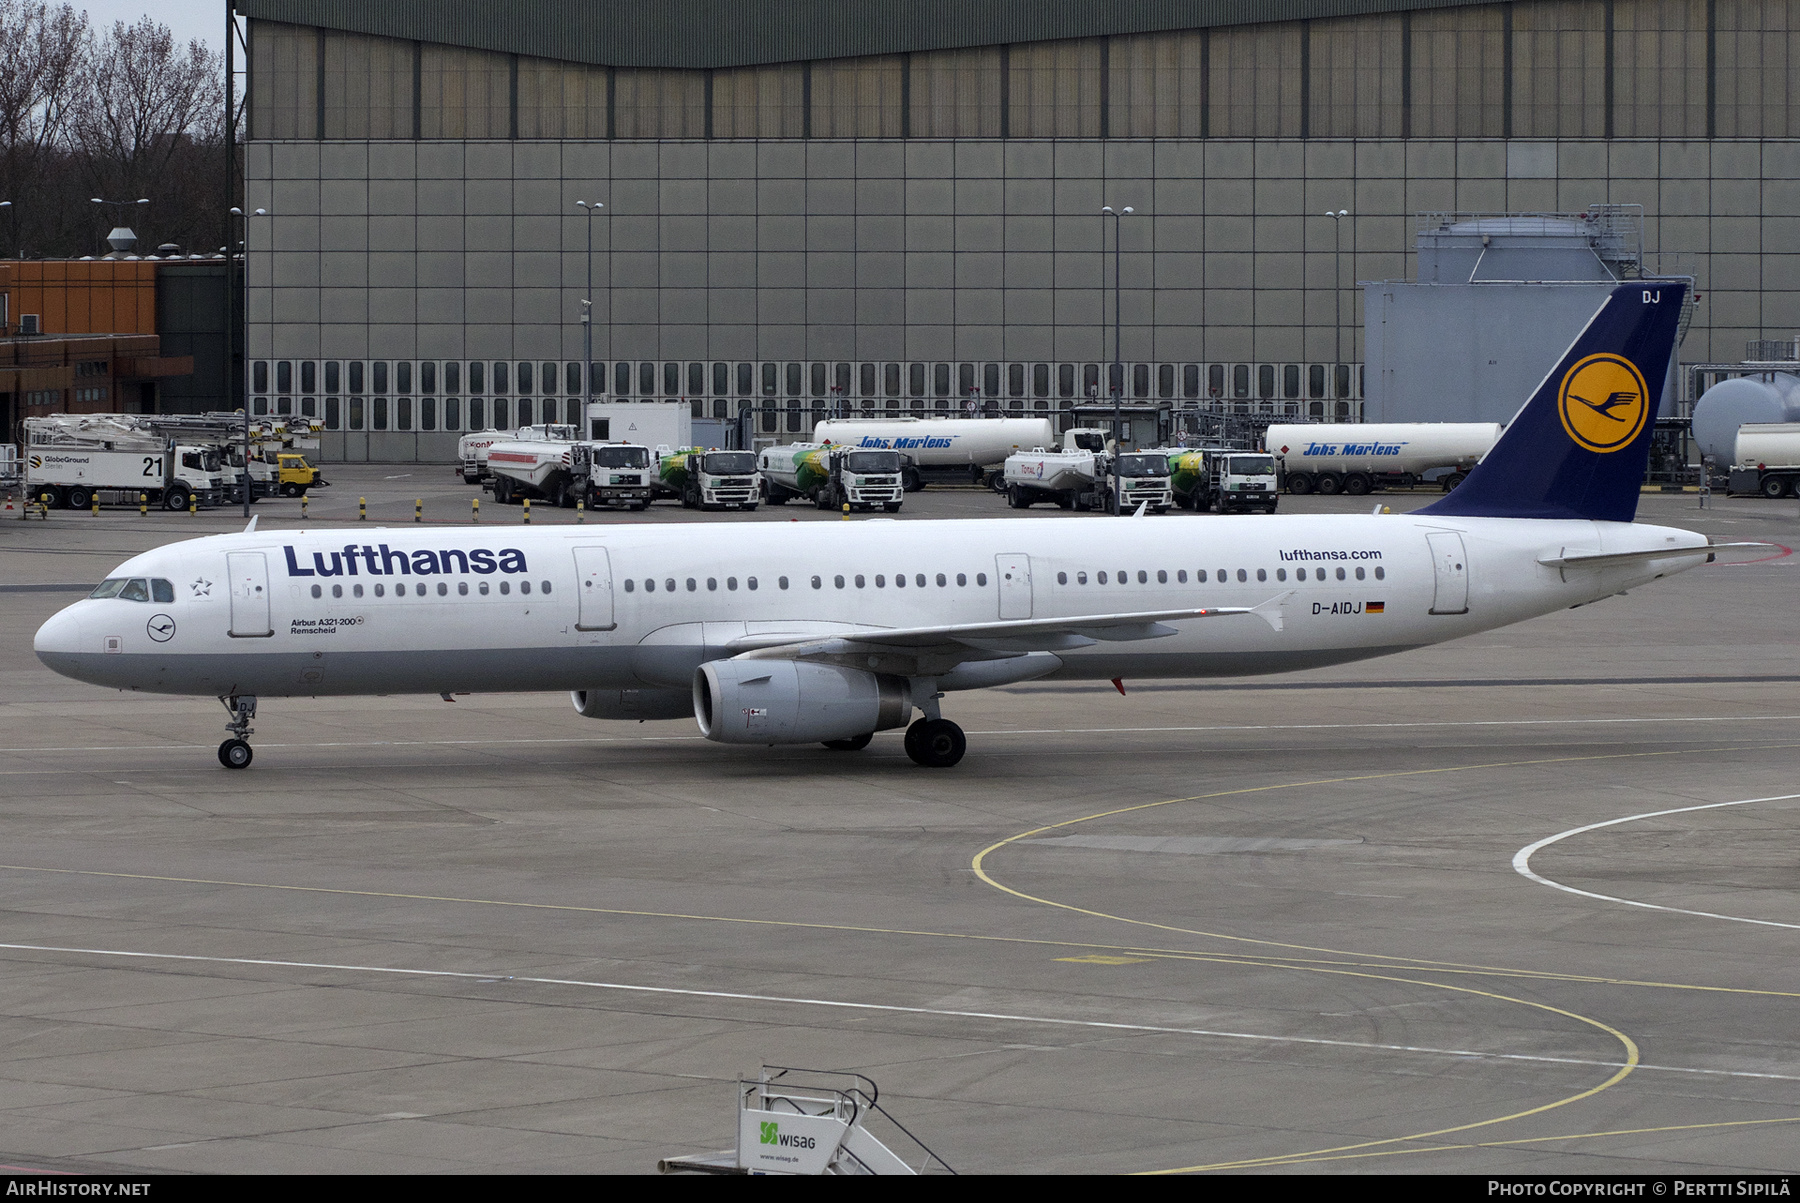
(894, 206)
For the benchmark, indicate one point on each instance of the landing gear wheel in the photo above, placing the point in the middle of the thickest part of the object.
(935, 743)
(855, 743)
(235, 754)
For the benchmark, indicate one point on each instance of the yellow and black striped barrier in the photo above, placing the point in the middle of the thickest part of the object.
(143, 505)
(418, 509)
(528, 511)
(475, 507)
(362, 509)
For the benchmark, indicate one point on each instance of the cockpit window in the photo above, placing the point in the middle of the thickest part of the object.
(136, 589)
(162, 591)
(109, 588)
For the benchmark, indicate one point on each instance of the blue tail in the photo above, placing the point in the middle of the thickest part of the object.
(1580, 446)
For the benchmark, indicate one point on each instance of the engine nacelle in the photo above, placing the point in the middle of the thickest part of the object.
(638, 704)
(791, 702)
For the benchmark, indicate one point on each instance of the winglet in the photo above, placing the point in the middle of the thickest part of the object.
(1119, 684)
(1273, 611)
(252, 525)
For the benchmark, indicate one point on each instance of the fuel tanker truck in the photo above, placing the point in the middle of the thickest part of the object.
(1767, 459)
(973, 449)
(1359, 458)
(1223, 480)
(831, 476)
(709, 480)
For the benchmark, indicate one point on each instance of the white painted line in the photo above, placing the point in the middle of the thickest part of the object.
(620, 739)
(1522, 861)
(1000, 1016)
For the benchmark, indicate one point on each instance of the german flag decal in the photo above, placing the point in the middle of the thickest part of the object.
(1374, 607)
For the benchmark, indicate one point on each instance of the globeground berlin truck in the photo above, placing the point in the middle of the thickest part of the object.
(1767, 459)
(1223, 480)
(831, 476)
(1361, 457)
(709, 480)
(116, 467)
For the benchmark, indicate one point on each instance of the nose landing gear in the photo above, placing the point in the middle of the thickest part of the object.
(935, 743)
(235, 753)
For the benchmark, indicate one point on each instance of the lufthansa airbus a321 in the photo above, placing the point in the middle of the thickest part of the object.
(780, 633)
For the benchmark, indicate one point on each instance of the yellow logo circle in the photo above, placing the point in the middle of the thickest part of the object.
(1604, 403)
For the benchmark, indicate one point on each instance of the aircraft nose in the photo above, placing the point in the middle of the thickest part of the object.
(59, 640)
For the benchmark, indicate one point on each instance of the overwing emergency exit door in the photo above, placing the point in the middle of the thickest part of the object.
(1450, 571)
(594, 589)
(249, 573)
(1014, 573)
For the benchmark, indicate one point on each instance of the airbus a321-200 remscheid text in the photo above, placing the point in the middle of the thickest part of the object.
(785, 633)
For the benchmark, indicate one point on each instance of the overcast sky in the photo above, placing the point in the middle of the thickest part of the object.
(187, 19)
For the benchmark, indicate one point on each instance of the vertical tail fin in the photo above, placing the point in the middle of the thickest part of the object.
(1580, 446)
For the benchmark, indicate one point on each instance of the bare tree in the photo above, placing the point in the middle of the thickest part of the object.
(145, 101)
(48, 52)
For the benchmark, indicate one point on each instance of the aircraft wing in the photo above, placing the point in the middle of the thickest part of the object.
(938, 648)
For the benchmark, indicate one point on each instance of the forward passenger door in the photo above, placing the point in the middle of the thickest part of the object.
(1014, 574)
(594, 589)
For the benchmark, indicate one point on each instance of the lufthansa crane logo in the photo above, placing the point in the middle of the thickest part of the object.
(1604, 403)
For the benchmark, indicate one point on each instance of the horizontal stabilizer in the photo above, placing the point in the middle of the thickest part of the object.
(1598, 559)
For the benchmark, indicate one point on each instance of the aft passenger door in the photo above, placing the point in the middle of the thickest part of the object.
(249, 574)
(594, 588)
(1014, 574)
(1450, 570)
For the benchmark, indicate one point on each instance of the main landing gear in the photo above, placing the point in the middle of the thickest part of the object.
(235, 752)
(935, 743)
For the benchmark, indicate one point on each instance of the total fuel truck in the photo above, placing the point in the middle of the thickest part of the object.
(1767, 459)
(709, 480)
(1224, 480)
(1083, 474)
(597, 474)
(946, 448)
(1360, 458)
(832, 476)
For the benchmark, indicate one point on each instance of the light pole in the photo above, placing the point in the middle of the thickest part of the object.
(231, 334)
(587, 318)
(1117, 380)
(1337, 293)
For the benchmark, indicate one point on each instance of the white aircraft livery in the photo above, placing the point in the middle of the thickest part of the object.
(783, 633)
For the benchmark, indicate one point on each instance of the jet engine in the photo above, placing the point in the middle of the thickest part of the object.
(639, 704)
(792, 702)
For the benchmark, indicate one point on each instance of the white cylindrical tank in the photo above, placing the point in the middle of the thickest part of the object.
(941, 442)
(1767, 445)
(1729, 404)
(1414, 447)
